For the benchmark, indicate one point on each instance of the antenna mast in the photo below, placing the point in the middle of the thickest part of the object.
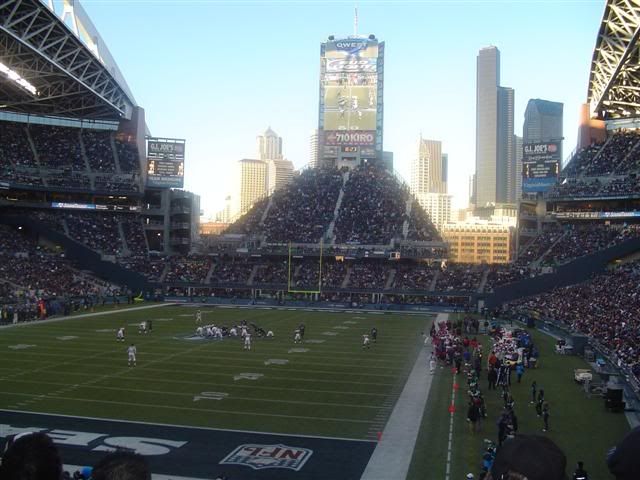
(355, 21)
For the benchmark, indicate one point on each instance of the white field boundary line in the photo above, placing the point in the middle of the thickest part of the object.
(191, 395)
(190, 409)
(258, 364)
(452, 407)
(154, 476)
(85, 315)
(234, 385)
(195, 427)
(392, 456)
(98, 379)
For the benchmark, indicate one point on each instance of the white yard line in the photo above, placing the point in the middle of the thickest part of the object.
(85, 315)
(392, 457)
(450, 444)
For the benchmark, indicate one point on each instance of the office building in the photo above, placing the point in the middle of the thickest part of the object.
(478, 242)
(429, 168)
(495, 161)
(269, 145)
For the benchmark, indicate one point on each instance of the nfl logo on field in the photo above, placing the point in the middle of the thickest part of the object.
(268, 456)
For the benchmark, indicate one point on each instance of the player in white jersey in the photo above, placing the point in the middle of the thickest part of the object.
(244, 332)
(198, 317)
(233, 332)
(199, 332)
(142, 328)
(247, 342)
(132, 355)
(120, 334)
(365, 341)
(297, 338)
(270, 334)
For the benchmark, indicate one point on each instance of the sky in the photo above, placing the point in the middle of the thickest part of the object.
(218, 73)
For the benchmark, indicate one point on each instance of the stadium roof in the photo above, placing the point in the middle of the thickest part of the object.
(614, 81)
(57, 65)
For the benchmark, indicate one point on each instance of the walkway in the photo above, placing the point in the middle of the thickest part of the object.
(392, 457)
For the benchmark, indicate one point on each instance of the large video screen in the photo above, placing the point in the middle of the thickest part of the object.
(350, 91)
(165, 163)
(540, 166)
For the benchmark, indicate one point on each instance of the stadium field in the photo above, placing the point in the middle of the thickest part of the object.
(328, 386)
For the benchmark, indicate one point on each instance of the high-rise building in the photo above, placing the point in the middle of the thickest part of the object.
(269, 145)
(506, 165)
(438, 206)
(517, 156)
(279, 173)
(542, 121)
(428, 169)
(252, 183)
(350, 114)
(314, 148)
(479, 242)
(495, 164)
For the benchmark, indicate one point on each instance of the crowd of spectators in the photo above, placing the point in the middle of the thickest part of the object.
(621, 186)
(134, 234)
(68, 179)
(459, 277)
(97, 146)
(614, 150)
(15, 150)
(605, 308)
(98, 231)
(413, 277)
(23, 176)
(272, 273)
(150, 267)
(231, 272)
(499, 275)
(579, 240)
(572, 187)
(373, 207)
(532, 251)
(32, 271)
(127, 157)
(369, 275)
(302, 211)
(117, 183)
(57, 147)
(248, 223)
(420, 226)
(189, 269)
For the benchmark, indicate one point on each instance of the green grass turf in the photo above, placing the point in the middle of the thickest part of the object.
(579, 425)
(334, 389)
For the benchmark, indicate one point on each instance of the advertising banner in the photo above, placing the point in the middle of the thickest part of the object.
(344, 137)
(165, 162)
(540, 166)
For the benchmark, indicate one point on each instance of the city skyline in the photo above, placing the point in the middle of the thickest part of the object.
(269, 76)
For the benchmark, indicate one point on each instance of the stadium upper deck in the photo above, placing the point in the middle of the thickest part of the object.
(58, 67)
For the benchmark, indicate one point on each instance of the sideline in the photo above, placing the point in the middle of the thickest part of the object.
(392, 457)
(85, 315)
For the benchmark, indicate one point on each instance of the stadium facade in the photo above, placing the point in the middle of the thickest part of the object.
(350, 113)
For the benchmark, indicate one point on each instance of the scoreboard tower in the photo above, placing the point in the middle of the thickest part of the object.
(350, 114)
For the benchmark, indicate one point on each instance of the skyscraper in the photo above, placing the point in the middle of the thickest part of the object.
(350, 113)
(495, 166)
(269, 145)
(314, 148)
(542, 121)
(429, 181)
(505, 165)
(251, 183)
(428, 169)
(517, 147)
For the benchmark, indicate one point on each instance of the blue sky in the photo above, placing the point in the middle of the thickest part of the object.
(217, 73)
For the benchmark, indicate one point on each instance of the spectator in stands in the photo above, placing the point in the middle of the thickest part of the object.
(529, 456)
(121, 466)
(31, 456)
